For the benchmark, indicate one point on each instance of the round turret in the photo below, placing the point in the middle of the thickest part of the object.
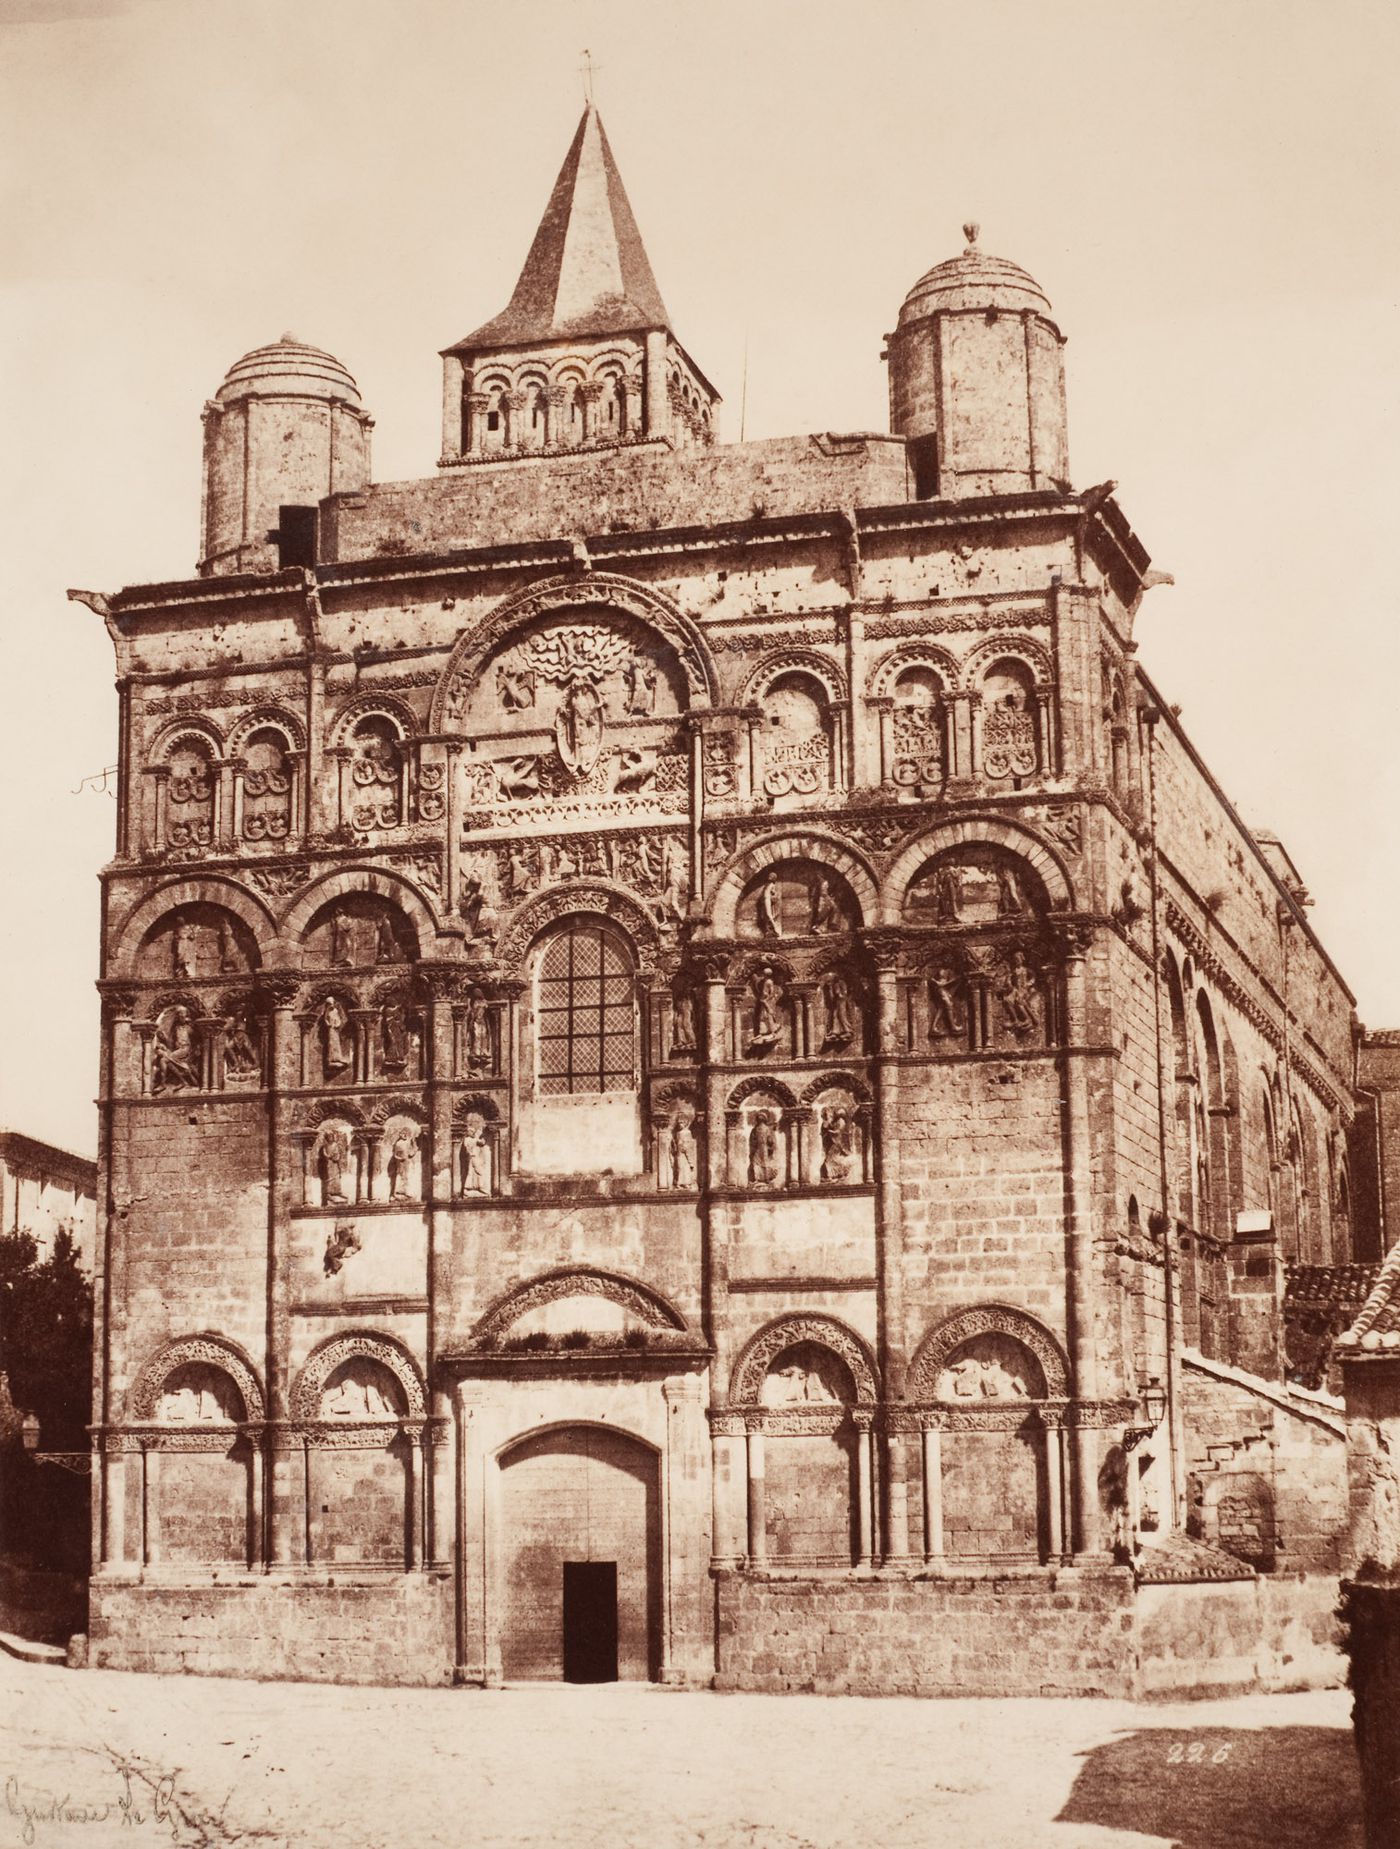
(977, 382)
(284, 430)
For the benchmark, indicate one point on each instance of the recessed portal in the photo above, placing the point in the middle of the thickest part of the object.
(580, 1536)
(590, 1621)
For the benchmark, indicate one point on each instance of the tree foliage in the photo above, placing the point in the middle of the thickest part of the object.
(46, 1336)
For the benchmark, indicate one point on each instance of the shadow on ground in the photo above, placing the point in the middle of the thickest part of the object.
(1225, 1787)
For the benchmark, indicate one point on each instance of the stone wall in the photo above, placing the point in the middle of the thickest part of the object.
(1056, 1633)
(927, 1636)
(397, 1630)
(637, 488)
(1266, 1469)
(1214, 1639)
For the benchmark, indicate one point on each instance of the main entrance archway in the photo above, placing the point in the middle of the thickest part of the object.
(577, 1501)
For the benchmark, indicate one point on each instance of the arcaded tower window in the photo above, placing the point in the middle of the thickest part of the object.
(585, 1028)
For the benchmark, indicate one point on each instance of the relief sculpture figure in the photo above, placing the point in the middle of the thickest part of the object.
(763, 1150)
(476, 1155)
(838, 1146)
(174, 1066)
(767, 1011)
(334, 1021)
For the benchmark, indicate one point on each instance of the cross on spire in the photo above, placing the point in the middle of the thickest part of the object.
(588, 70)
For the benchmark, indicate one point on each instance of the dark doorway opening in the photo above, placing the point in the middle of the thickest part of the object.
(590, 1621)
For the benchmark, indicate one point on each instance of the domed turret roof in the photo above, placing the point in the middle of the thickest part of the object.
(290, 366)
(973, 280)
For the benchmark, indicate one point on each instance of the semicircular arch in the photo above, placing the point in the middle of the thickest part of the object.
(582, 899)
(787, 1331)
(648, 1305)
(367, 1345)
(561, 595)
(208, 1350)
(382, 882)
(792, 844)
(206, 890)
(944, 1340)
(978, 832)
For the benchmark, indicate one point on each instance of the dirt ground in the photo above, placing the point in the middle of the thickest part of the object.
(90, 1758)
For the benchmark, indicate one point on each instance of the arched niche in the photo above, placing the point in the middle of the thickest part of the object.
(812, 856)
(796, 898)
(798, 751)
(199, 1393)
(1040, 876)
(1004, 1345)
(266, 789)
(201, 938)
(761, 1136)
(366, 892)
(913, 688)
(613, 615)
(578, 1297)
(187, 762)
(323, 1364)
(974, 884)
(786, 1333)
(207, 901)
(194, 1360)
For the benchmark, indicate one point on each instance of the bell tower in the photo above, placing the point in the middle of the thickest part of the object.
(977, 380)
(582, 357)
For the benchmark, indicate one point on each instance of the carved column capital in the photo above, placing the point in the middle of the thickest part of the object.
(280, 987)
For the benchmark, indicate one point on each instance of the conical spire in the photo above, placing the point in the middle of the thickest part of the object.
(587, 272)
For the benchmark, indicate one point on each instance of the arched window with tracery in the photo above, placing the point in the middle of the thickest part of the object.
(583, 1049)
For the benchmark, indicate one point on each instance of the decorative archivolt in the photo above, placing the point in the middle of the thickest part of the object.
(978, 832)
(381, 882)
(585, 900)
(836, 1081)
(761, 1085)
(208, 1351)
(145, 916)
(201, 734)
(323, 1361)
(330, 1110)
(793, 844)
(371, 705)
(880, 682)
(648, 1305)
(595, 589)
(759, 1353)
(1022, 649)
(267, 718)
(941, 1343)
(382, 1109)
(810, 662)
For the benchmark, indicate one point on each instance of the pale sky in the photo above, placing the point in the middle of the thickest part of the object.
(1205, 191)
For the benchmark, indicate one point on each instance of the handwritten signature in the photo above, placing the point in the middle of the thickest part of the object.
(36, 1808)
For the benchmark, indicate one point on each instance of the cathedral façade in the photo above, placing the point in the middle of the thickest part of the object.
(698, 1082)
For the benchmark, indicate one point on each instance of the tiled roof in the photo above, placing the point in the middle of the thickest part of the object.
(1377, 1325)
(1319, 1301)
(587, 272)
(1177, 1559)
